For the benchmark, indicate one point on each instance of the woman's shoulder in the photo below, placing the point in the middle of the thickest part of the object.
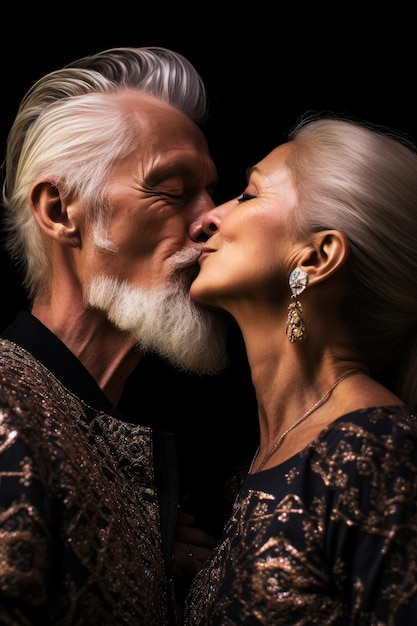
(378, 418)
(388, 431)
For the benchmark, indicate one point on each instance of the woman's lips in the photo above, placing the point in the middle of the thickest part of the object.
(205, 251)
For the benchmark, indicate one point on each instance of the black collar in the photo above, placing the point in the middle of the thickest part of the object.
(29, 333)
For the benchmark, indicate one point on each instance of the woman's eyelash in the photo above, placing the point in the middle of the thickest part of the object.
(245, 196)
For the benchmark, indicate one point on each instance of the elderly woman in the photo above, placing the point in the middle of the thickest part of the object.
(317, 263)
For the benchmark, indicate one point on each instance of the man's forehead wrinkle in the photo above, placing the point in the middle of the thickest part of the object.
(164, 166)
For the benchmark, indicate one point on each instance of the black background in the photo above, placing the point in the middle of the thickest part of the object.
(264, 66)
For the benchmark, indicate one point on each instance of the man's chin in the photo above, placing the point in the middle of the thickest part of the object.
(193, 340)
(186, 276)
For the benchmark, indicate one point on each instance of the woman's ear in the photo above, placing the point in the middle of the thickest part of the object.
(52, 213)
(328, 252)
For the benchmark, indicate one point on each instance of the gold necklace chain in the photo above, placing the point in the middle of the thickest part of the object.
(315, 406)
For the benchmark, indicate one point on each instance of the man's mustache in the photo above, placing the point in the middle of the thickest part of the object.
(184, 264)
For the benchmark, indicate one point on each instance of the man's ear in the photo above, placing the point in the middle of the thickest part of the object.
(328, 252)
(51, 211)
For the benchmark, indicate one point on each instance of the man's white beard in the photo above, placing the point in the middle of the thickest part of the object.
(165, 320)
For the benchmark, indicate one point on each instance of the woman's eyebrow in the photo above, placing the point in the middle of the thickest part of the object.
(250, 170)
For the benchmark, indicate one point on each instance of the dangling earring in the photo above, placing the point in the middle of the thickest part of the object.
(295, 327)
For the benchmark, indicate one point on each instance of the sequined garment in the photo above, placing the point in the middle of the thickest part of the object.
(80, 540)
(329, 537)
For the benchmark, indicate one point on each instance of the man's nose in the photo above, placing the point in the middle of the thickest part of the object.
(197, 229)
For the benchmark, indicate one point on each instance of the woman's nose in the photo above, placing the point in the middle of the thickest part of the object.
(212, 219)
(204, 227)
(210, 222)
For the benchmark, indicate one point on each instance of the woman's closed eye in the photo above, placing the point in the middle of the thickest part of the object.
(245, 196)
